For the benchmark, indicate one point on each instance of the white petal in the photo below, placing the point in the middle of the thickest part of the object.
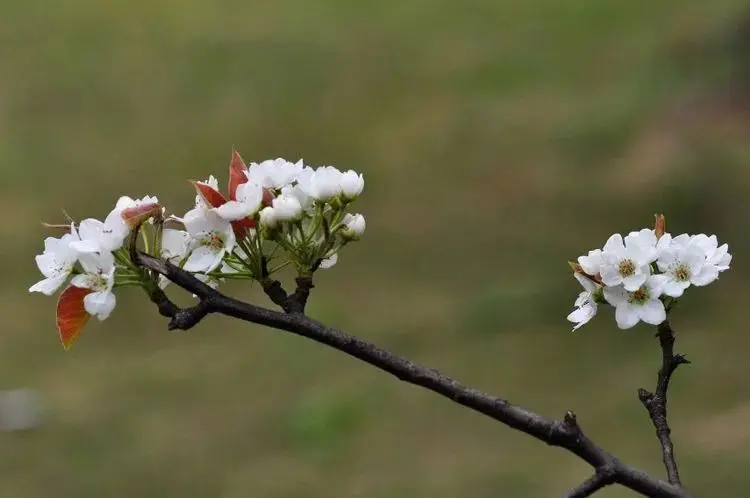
(611, 276)
(586, 282)
(49, 286)
(592, 262)
(656, 284)
(99, 304)
(81, 281)
(85, 246)
(234, 210)
(626, 316)
(652, 312)
(615, 295)
(634, 282)
(615, 244)
(708, 274)
(674, 288)
(329, 261)
(174, 244)
(203, 259)
(47, 263)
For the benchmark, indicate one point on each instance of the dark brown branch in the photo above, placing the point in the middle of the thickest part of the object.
(603, 477)
(656, 402)
(564, 433)
(290, 303)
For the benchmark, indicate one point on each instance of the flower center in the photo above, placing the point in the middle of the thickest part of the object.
(213, 241)
(682, 273)
(98, 282)
(627, 268)
(639, 296)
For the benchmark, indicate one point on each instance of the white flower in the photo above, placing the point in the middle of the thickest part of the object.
(324, 183)
(641, 304)
(684, 262)
(274, 173)
(106, 236)
(586, 305)
(628, 262)
(591, 263)
(354, 225)
(211, 237)
(56, 262)
(268, 217)
(352, 184)
(286, 208)
(329, 261)
(249, 199)
(211, 182)
(716, 256)
(99, 278)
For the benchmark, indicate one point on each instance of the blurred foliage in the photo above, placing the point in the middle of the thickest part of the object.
(498, 139)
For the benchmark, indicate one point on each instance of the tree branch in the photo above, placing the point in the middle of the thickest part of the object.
(291, 303)
(564, 433)
(656, 402)
(603, 477)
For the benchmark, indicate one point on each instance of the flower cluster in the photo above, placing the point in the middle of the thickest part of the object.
(276, 213)
(642, 274)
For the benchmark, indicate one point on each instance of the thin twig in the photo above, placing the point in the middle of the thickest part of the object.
(564, 433)
(656, 402)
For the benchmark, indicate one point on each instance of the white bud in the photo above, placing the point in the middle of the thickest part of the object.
(354, 225)
(268, 217)
(286, 208)
(352, 184)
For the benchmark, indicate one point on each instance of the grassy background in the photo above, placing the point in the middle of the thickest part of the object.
(498, 140)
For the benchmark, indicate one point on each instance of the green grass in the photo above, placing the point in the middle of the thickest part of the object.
(498, 139)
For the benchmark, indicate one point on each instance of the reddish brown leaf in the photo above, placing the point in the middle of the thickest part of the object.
(268, 197)
(71, 315)
(242, 226)
(237, 174)
(208, 194)
(136, 215)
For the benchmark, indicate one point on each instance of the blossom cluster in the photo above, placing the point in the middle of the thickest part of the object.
(276, 214)
(642, 274)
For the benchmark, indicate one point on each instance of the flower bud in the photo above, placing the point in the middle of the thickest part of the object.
(352, 185)
(354, 226)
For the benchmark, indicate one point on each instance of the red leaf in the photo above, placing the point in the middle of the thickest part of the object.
(237, 174)
(242, 226)
(268, 197)
(209, 195)
(136, 215)
(71, 315)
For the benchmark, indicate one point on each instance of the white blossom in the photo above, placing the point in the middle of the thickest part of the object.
(323, 184)
(274, 173)
(211, 237)
(685, 262)
(56, 262)
(99, 277)
(586, 305)
(628, 262)
(642, 304)
(716, 256)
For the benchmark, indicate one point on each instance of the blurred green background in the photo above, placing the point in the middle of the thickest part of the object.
(498, 140)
